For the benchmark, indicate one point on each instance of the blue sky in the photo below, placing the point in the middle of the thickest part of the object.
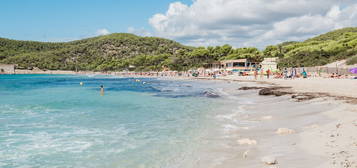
(63, 20)
(240, 23)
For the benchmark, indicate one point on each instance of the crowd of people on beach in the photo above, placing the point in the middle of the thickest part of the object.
(291, 73)
(258, 73)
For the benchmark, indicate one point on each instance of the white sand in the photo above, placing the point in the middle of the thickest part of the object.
(325, 129)
(338, 87)
(335, 141)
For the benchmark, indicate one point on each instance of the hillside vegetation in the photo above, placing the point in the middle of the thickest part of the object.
(110, 52)
(320, 50)
(120, 51)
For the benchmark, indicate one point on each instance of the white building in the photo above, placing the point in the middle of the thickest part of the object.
(7, 68)
(233, 65)
(270, 63)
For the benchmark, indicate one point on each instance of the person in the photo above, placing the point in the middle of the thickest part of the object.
(304, 74)
(333, 75)
(256, 74)
(285, 73)
(293, 73)
(241, 73)
(268, 73)
(319, 72)
(81, 83)
(101, 90)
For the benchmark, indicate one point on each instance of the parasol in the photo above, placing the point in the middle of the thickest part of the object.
(353, 70)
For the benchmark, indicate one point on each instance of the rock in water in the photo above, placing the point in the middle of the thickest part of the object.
(265, 91)
(269, 160)
(251, 88)
(284, 131)
(210, 94)
(273, 91)
(303, 97)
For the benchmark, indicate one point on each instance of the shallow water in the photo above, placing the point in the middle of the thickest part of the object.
(52, 121)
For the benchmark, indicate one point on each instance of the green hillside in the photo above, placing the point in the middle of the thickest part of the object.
(110, 52)
(320, 50)
(116, 52)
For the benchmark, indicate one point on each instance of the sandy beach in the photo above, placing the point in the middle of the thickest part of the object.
(320, 132)
(337, 87)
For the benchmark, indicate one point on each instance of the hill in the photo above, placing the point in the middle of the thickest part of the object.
(120, 51)
(110, 52)
(323, 49)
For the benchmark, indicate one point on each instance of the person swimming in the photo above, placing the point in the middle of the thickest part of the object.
(81, 83)
(101, 90)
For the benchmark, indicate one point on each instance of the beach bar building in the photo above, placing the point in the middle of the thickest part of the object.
(239, 65)
(232, 65)
(214, 66)
(7, 68)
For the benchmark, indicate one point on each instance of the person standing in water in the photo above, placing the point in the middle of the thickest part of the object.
(101, 90)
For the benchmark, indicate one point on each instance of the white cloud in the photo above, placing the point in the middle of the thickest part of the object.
(253, 22)
(139, 32)
(101, 32)
(302, 27)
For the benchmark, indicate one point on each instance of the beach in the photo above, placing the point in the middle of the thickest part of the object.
(178, 84)
(336, 87)
(318, 131)
(312, 133)
(241, 129)
(312, 124)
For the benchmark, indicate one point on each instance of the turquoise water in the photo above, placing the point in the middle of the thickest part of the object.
(52, 121)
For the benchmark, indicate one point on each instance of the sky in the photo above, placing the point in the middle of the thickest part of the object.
(64, 20)
(240, 23)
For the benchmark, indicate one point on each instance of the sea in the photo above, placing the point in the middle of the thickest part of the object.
(51, 121)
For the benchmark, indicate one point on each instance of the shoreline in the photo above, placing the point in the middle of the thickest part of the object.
(316, 87)
(296, 135)
(318, 137)
(301, 89)
(315, 132)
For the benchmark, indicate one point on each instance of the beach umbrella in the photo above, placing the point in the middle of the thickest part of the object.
(353, 70)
